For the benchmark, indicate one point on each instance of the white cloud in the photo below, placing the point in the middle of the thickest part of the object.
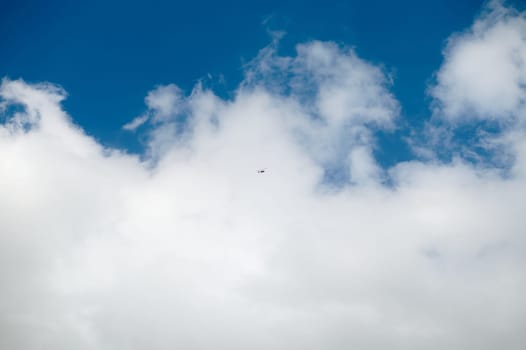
(328, 98)
(135, 123)
(164, 101)
(479, 92)
(102, 251)
(343, 88)
(484, 73)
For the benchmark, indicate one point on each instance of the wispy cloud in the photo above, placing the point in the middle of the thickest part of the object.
(135, 123)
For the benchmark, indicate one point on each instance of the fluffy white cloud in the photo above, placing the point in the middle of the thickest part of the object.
(164, 101)
(100, 250)
(484, 73)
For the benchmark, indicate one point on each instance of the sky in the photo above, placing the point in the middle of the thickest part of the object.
(97, 49)
(390, 214)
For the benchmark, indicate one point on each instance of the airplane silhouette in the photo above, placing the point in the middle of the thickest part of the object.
(261, 171)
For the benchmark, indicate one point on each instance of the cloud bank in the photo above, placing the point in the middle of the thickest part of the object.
(191, 248)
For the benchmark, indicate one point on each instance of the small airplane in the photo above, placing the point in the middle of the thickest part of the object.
(261, 171)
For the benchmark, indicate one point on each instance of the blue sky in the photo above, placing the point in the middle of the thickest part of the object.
(107, 55)
(134, 213)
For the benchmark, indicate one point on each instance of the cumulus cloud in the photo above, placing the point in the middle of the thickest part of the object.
(102, 250)
(164, 101)
(479, 91)
(338, 86)
(484, 73)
